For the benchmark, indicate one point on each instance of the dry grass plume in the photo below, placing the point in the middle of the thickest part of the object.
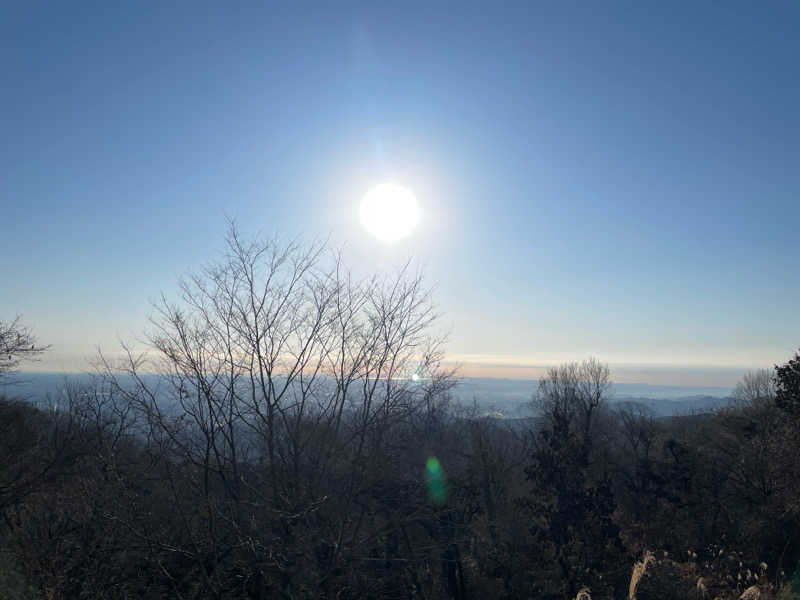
(638, 572)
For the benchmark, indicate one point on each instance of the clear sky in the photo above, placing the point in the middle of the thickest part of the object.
(611, 179)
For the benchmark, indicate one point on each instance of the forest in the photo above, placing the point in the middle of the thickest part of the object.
(300, 441)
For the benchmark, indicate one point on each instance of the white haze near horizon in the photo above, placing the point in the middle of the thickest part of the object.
(649, 374)
(485, 390)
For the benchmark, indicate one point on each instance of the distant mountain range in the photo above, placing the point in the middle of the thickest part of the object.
(500, 398)
(686, 405)
(512, 397)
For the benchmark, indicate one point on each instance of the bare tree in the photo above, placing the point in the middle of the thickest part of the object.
(639, 427)
(574, 392)
(570, 476)
(17, 343)
(755, 386)
(281, 378)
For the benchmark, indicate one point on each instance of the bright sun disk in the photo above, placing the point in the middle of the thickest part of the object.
(389, 211)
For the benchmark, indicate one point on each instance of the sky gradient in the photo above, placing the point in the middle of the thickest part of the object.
(619, 179)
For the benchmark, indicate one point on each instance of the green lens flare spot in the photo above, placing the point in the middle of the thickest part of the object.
(437, 491)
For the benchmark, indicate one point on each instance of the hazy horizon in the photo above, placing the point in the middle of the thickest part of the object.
(501, 367)
(690, 378)
(487, 389)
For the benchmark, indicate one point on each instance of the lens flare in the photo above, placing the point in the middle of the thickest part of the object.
(437, 490)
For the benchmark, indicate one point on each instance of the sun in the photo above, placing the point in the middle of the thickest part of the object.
(389, 211)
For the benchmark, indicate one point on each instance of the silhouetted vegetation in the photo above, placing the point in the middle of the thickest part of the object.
(17, 343)
(300, 443)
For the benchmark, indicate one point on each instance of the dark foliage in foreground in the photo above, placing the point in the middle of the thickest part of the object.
(96, 505)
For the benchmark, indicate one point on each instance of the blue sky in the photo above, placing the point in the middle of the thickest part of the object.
(609, 179)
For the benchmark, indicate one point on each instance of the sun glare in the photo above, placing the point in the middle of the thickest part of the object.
(389, 211)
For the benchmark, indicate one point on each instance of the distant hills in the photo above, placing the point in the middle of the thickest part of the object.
(678, 406)
(500, 398)
(511, 398)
